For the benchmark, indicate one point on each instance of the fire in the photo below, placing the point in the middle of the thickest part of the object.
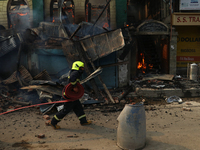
(143, 65)
(150, 66)
(126, 25)
(106, 25)
(21, 14)
(53, 20)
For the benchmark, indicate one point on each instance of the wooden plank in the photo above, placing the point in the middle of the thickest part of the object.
(57, 90)
(99, 77)
(159, 77)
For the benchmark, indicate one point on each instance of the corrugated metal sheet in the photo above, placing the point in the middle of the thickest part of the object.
(97, 46)
(24, 75)
(7, 44)
(44, 75)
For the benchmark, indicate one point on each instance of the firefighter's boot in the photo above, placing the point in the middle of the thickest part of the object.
(55, 126)
(86, 123)
(54, 122)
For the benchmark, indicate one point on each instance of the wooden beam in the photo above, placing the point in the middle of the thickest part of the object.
(88, 71)
(99, 77)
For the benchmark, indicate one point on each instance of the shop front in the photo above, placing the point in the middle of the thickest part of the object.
(188, 40)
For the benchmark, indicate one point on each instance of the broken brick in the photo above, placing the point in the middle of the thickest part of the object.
(10, 107)
(46, 117)
(186, 109)
(188, 103)
(48, 122)
(41, 135)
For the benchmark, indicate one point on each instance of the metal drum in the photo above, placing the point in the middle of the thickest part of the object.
(193, 71)
(131, 131)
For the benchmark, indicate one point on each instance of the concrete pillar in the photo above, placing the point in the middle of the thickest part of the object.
(113, 24)
(47, 10)
(3, 13)
(173, 52)
(79, 11)
(30, 5)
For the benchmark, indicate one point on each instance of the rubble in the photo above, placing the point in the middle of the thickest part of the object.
(78, 42)
(47, 90)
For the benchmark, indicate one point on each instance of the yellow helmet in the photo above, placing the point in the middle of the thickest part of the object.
(77, 64)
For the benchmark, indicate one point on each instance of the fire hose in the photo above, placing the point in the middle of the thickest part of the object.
(69, 93)
(68, 90)
(36, 105)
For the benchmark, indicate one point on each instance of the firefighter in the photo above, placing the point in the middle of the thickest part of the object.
(74, 77)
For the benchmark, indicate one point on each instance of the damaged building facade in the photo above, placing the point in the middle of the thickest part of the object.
(149, 46)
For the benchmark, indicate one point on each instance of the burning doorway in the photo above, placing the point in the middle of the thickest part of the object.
(153, 54)
(153, 50)
(18, 14)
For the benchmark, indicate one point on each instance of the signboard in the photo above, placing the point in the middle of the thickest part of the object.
(186, 19)
(188, 45)
(189, 5)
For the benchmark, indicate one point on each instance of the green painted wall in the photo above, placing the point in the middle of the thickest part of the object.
(121, 12)
(38, 12)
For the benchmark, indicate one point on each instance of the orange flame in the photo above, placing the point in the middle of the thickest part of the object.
(105, 25)
(21, 14)
(142, 65)
(53, 20)
(150, 66)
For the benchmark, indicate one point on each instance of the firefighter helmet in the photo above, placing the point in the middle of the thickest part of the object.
(77, 64)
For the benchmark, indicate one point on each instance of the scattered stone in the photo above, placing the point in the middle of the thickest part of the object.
(187, 103)
(123, 101)
(46, 117)
(40, 135)
(38, 113)
(72, 136)
(186, 109)
(41, 142)
(48, 122)
(10, 107)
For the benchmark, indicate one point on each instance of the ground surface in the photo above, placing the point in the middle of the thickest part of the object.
(168, 127)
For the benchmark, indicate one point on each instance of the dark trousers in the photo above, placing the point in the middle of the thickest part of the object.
(76, 106)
